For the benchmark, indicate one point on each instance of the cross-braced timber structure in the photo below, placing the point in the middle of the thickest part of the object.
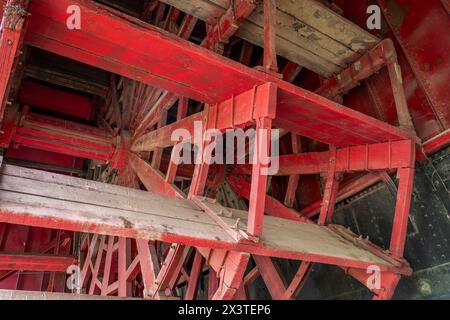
(151, 228)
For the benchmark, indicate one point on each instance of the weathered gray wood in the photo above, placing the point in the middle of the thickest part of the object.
(308, 32)
(34, 295)
(44, 212)
(153, 204)
(63, 180)
(62, 202)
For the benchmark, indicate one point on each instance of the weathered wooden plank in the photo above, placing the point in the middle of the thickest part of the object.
(308, 32)
(317, 16)
(35, 295)
(56, 206)
(297, 34)
(63, 180)
(161, 206)
(46, 212)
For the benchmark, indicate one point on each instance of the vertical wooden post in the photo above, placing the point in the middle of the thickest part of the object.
(98, 261)
(264, 111)
(403, 204)
(213, 283)
(289, 198)
(259, 178)
(331, 189)
(404, 117)
(123, 262)
(149, 264)
(201, 169)
(270, 21)
(108, 263)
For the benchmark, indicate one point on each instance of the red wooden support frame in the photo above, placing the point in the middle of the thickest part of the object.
(170, 270)
(292, 185)
(331, 189)
(369, 157)
(124, 288)
(235, 78)
(149, 264)
(264, 113)
(213, 283)
(107, 266)
(35, 262)
(403, 203)
(270, 21)
(399, 155)
(267, 93)
(201, 168)
(272, 277)
(197, 265)
(259, 177)
(10, 40)
(276, 283)
(95, 271)
(382, 55)
(64, 137)
(228, 23)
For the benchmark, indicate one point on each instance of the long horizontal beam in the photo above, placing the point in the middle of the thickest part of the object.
(437, 142)
(351, 188)
(35, 295)
(34, 262)
(61, 136)
(40, 199)
(115, 42)
(370, 157)
(11, 33)
(382, 156)
(236, 112)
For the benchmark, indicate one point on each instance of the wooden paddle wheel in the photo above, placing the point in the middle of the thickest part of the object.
(142, 225)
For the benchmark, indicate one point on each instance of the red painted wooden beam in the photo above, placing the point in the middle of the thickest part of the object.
(139, 51)
(421, 34)
(229, 23)
(272, 277)
(64, 137)
(236, 112)
(10, 40)
(380, 156)
(32, 262)
(225, 28)
(165, 219)
(437, 142)
(50, 134)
